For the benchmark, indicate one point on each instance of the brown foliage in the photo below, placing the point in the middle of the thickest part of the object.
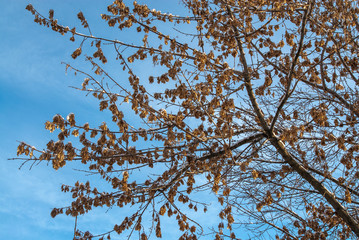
(260, 109)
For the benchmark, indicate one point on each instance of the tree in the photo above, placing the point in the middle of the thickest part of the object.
(255, 101)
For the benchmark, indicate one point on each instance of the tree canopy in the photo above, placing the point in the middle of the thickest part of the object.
(254, 101)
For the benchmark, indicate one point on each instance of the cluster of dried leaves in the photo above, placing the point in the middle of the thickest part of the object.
(260, 108)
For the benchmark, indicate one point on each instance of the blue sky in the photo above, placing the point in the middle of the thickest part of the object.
(34, 87)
